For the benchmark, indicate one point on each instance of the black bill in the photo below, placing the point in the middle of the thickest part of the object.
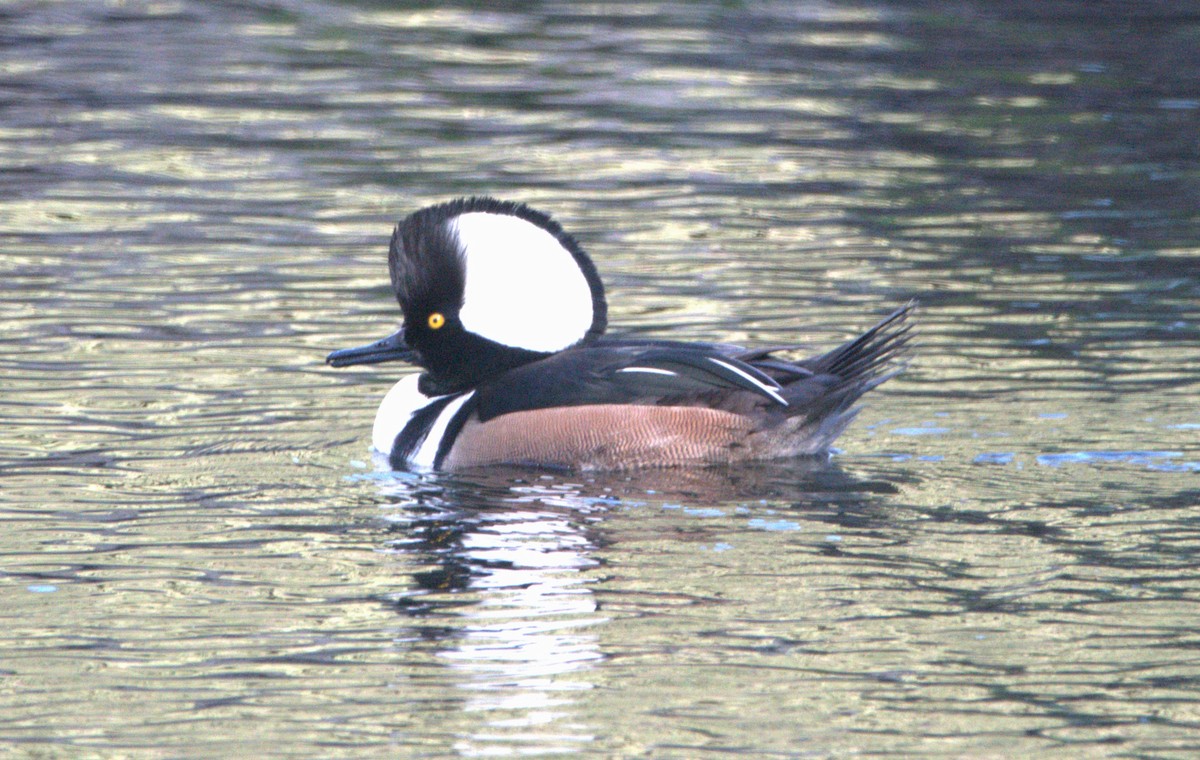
(391, 348)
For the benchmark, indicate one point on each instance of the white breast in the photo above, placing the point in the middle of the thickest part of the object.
(398, 407)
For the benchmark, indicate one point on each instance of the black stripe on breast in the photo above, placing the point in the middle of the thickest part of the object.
(454, 427)
(413, 434)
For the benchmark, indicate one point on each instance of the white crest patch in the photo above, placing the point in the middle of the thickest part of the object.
(523, 288)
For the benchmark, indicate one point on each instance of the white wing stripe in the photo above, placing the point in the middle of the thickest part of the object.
(772, 392)
(650, 370)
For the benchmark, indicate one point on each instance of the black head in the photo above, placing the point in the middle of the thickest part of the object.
(488, 285)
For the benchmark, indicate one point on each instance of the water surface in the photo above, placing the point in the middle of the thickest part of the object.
(200, 557)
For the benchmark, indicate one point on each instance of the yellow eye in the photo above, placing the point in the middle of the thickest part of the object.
(436, 320)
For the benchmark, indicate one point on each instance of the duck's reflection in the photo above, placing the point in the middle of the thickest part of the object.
(502, 593)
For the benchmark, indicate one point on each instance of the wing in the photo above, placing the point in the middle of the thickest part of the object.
(720, 376)
(781, 370)
(652, 372)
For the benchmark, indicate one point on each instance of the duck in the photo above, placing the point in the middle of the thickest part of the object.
(506, 316)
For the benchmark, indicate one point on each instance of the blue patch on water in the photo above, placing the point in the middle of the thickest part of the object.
(1179, 104)
(41, 588)
(762, 524)
(920, 430)
(894, 457)
(1052, 416)
(931, 458)
(718, 547)
(1154, 460)
(703, 511)
(608, 501)
(1175, 467)
(377, 476)
(995, 457)
(1185, 426)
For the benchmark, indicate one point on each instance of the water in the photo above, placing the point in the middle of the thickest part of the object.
(201, 559)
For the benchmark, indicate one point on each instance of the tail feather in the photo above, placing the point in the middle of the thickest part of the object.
(821, 391)
(862, 358)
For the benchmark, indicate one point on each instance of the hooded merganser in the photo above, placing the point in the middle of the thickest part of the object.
(506, 314)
